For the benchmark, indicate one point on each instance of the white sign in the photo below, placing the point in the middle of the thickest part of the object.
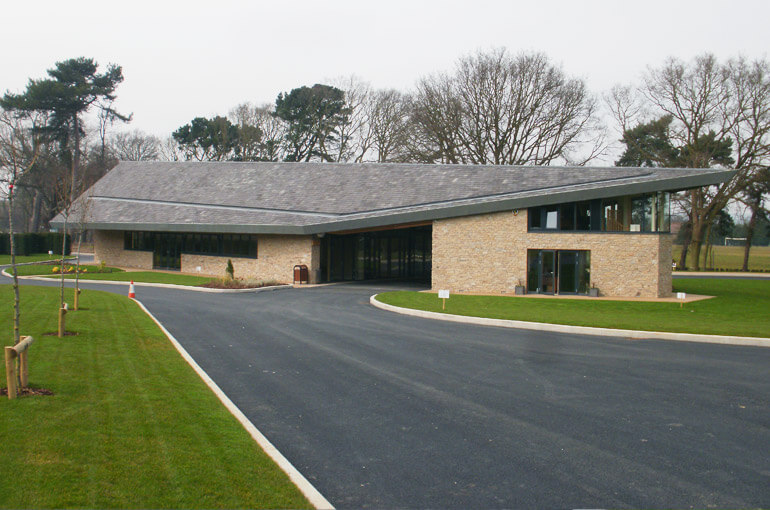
(443, 294)
(681, 295)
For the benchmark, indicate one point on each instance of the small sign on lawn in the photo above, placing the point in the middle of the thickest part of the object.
(682, 296)
(443, 296)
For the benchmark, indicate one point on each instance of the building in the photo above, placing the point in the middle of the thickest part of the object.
(487, 229)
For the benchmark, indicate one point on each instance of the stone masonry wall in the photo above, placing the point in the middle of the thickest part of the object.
(276, 254)
(108, 247)
(276, 257)
(488, 254)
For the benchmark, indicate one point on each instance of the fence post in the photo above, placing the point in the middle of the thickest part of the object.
(10, 371)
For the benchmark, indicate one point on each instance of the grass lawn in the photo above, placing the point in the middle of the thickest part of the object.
(20, 259)
(741, 307)
(130, 425)
(731, 257)
(118, 275)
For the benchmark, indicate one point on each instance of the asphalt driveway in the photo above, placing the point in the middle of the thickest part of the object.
(382, 410)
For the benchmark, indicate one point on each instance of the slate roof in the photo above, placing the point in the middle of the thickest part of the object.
(306, 198)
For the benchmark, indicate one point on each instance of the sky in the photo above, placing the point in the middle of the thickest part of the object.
(187, 59)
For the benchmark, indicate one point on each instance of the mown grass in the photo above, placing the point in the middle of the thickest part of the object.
(741, 307)
(21, 259)
(731, 258)
(117, 275)
(130, 425)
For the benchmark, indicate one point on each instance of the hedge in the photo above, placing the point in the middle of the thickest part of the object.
(29, 244)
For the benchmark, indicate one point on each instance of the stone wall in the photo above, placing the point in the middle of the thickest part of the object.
(108, 247)
(276, 257)
(488, 254)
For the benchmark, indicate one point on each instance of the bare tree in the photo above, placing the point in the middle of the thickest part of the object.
(714, 106)
(169, 150)
(500, 109)
(389, 128)
(18, 153)
(261, 132)
(135, 146)
(354, 134)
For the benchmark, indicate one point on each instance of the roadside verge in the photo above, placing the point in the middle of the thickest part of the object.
(308, 490)
(581, 330)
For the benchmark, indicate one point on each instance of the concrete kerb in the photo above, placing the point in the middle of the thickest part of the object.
(310, 492)
(581, 330)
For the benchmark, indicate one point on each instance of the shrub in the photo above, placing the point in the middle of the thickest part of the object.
(230, 271)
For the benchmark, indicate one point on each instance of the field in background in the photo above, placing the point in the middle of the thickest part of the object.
(731, 257)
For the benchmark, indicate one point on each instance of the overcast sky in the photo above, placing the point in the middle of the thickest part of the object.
(186, 59)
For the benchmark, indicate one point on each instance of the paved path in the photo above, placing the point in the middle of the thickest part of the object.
(381, 410)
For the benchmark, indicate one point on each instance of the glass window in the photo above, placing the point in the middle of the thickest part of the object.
(552, 217)
(662, 220)
(583, 216)
(613, 215)
(535, 217)
(567, 216)
(641, 214)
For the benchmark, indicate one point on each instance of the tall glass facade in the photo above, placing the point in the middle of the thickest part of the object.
(641, 213)
(402, 253)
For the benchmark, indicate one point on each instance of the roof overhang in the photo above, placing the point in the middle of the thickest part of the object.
(329, 223)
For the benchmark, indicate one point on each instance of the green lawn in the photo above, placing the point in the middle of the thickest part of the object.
(130, 425)
(118, 275)
(740, 308)
(21, 259)
(731, 257)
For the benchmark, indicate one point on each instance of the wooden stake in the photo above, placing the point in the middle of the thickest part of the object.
(443, 304)
(23, 368)
(77, 295)
(62, 313)
(10, 372)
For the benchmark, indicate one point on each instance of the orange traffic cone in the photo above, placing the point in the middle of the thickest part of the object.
(131, 292)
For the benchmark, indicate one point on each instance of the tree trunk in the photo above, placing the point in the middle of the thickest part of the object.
(685, 245)
(707, 251)
(750, 235)
(697, 242)
(77, 271)
(16, 299)
(37, 206)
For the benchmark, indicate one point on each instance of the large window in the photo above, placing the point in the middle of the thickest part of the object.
(641, 213)
(222, 245)
(558, 271)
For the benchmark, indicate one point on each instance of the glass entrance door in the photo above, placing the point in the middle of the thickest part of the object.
(558, 271)
(547, 271)
(541, 273)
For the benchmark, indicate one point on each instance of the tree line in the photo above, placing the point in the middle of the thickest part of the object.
(494, 107)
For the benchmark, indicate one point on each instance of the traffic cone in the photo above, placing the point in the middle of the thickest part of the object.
(131, 292)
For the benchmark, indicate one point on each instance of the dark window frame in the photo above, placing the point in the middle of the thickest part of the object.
(215, 245)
